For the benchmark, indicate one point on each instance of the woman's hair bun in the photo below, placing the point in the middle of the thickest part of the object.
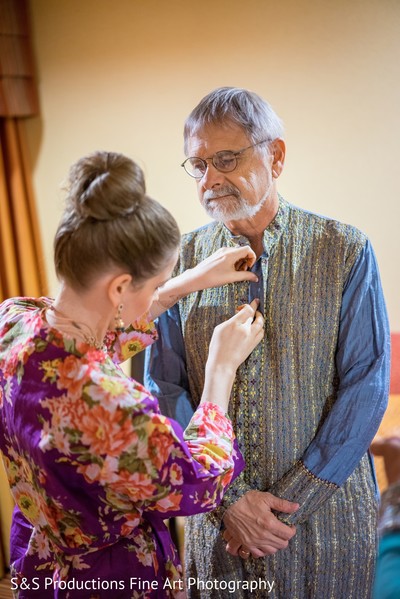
(110, 224)
(98, 190)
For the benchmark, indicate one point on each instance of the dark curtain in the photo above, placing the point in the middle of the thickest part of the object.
(22, 269)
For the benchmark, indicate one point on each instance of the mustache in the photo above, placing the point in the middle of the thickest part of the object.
(213, 194)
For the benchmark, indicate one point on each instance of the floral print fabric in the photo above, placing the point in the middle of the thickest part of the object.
(94, 467)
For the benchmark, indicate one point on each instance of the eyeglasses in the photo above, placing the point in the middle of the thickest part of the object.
(224, 161)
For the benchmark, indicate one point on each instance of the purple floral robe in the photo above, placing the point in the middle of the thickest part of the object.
(94, 467)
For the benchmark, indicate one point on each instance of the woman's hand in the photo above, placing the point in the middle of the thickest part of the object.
(227, 265)
(233, 340)
(231, 343)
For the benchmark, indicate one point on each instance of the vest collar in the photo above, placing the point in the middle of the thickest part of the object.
(271, 234)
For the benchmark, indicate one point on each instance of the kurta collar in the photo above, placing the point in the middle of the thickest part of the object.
(271, 234)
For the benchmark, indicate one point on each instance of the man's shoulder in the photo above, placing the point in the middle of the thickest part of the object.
(207, 237)
(200, 243)
(203, 232)
(319, 225)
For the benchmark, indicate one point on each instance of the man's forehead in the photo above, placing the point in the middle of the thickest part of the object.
(216, 137)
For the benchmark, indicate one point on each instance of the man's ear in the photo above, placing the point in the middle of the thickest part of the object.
(279, 153)
(117, 287)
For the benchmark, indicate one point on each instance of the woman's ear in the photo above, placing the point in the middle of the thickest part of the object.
(279, 152)
(117, 287)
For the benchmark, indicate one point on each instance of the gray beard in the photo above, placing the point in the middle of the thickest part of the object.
(234, 209)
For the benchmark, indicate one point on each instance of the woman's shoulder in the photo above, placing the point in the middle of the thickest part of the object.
(17, 307)
(20, 318)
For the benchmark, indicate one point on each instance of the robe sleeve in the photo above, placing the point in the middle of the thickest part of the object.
(165, 470)
(363, 367)
(166, 378)
(132, 340)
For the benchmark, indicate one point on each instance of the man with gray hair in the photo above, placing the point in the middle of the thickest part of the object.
(308, 400)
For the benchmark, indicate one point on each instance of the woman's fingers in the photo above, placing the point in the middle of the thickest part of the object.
(248, 310)
(259, 322)
(246, 258)
(249, 314)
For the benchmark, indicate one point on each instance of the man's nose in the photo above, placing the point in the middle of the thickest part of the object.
(212, 177)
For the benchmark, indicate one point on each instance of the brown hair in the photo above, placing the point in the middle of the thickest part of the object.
(110, 221)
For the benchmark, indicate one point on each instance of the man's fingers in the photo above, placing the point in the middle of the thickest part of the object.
(244, 552)
(282, 505)
(264, 550)
(233, 546)
(226, 535)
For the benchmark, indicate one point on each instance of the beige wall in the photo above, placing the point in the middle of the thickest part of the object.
(122, 75)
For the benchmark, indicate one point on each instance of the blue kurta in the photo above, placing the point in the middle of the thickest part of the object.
(305, 405)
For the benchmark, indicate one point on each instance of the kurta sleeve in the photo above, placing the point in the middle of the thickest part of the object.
(363, 365)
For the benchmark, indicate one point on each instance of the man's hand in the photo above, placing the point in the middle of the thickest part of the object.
(252, 527)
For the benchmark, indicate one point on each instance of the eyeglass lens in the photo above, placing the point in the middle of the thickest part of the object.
(224, 161)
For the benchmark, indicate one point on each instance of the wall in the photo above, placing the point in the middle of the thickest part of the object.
(123, 75)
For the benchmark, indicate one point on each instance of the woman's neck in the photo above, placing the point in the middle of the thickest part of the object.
(84, 315)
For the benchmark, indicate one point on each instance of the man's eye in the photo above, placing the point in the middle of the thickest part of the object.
(225, 161)
(197, 164)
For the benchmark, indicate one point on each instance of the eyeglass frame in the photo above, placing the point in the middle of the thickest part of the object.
(234, 154)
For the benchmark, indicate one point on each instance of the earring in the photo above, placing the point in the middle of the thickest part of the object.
(274, 173)
(119, 323)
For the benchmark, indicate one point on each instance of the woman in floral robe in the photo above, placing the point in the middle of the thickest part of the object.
(93, 466)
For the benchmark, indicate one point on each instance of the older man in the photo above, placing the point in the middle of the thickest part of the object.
(301, 520)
